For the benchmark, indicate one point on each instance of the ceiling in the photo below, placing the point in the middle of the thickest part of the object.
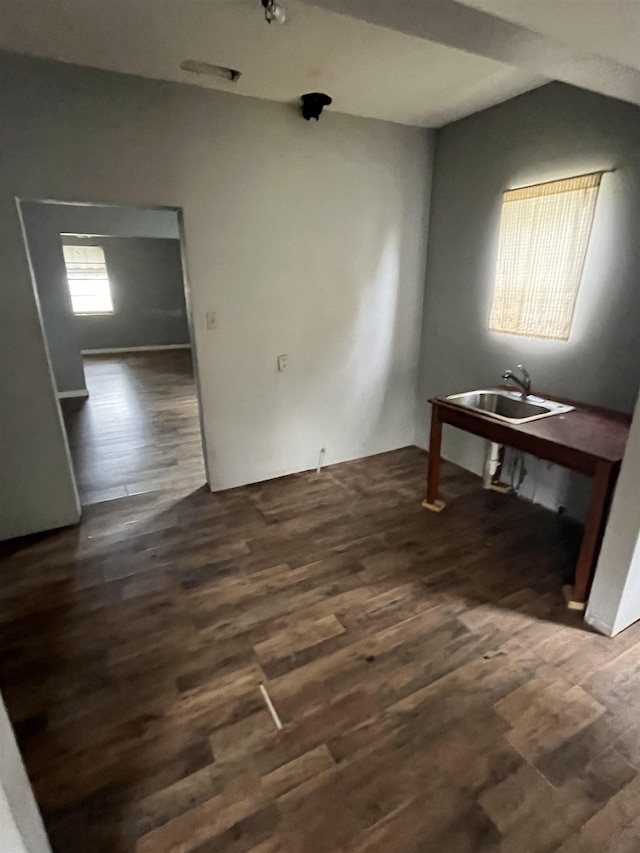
(609, 28)
(367, 69)
(592, 44)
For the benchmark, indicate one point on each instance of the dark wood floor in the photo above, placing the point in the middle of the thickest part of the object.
(139, 430)
(435, 694)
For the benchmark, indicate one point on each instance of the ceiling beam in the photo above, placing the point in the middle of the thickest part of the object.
(455, 25)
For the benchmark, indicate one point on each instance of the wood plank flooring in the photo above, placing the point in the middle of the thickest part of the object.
(139, 430)
(434, 691)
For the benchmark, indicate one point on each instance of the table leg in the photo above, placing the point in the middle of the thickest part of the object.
(603, 483)
(432, 501)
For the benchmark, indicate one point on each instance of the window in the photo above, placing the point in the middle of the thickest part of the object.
(88, 280)
(544, 233)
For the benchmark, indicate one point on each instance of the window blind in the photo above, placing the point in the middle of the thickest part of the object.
(544, 234)
(88, 279)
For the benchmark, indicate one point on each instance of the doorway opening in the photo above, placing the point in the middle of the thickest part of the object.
(113, 298)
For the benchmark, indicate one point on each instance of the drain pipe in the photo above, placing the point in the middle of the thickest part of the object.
(492, 471)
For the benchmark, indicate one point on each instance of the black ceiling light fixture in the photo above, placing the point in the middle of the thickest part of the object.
(313, 103)
(274, 13)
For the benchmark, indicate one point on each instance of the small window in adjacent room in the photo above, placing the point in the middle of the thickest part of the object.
(544, 233)
(88, 280)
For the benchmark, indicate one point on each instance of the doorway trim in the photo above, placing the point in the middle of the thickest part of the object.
(178, 211)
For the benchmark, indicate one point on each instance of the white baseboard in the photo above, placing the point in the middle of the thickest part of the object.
(63, 395)
(110, 350)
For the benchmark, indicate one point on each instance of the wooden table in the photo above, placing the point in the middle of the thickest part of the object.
(589, 440)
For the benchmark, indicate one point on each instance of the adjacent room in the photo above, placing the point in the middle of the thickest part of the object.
(320, 434)
(111, 289)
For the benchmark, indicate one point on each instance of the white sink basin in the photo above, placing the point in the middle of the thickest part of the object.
(508, 405)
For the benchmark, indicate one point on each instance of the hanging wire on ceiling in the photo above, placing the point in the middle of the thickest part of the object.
(274, 13)
(517, 471)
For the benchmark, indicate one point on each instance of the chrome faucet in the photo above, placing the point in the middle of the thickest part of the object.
(524, 384)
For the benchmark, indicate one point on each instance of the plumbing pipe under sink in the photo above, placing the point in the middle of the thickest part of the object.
(492, 471)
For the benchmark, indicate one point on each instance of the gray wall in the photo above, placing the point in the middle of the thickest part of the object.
(306, 239)
(47, 262)
(148, 295)
(552, 132)
(148, 282)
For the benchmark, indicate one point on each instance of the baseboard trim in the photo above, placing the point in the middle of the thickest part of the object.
(63, 395)
(109, 350)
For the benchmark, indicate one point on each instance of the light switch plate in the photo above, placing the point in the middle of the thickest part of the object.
(283, 362)
(212, 321)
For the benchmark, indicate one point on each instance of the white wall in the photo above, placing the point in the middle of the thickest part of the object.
(614, 603)
(21, 829)
(629, 606)
(307, 239)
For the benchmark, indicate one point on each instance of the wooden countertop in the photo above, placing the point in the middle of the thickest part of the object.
(588, 432)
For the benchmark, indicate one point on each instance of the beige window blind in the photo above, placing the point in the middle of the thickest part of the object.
(88, 279)
(544, 233)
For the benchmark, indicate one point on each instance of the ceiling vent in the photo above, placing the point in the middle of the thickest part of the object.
(195, 66)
